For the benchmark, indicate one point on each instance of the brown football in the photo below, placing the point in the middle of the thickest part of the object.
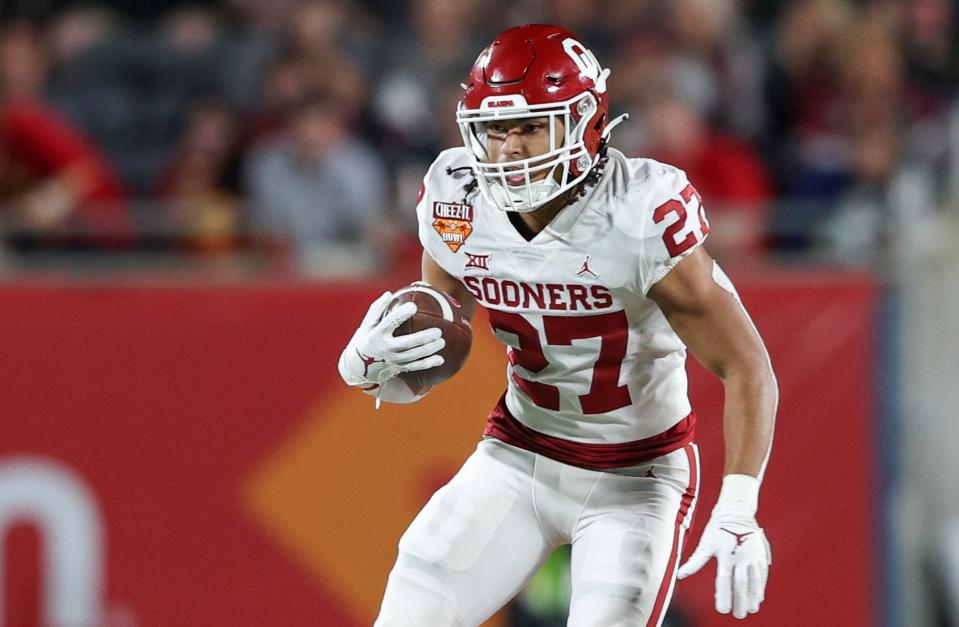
(435, 308)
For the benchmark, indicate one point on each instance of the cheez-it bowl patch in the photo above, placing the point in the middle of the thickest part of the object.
(453, 222)
(453, 232)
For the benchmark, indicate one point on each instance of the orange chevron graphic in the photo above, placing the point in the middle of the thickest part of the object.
(337, 495)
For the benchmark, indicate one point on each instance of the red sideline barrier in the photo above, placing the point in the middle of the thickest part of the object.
(186, 456)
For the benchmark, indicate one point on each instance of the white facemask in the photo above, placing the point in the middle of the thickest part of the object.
(526, 197)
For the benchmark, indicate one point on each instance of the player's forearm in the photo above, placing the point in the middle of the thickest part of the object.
(749, 419)
(436, 276)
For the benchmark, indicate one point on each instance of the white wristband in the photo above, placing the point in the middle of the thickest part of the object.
(740, 491)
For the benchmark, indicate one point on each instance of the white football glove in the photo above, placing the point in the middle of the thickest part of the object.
(374, 355)
(739, 545)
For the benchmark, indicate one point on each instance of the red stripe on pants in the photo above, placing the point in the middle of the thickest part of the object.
(662, 598)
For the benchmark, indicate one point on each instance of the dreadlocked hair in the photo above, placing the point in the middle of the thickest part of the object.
(593, 177)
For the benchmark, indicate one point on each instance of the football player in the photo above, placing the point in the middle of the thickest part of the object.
(592, 269)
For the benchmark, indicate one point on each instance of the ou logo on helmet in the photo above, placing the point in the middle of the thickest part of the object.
(586, 62)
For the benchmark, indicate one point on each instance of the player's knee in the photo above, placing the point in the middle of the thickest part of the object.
(417, 599)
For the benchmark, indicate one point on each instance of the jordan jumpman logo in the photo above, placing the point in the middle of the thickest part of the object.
(740, 537)
(584, 269)
(368, 361)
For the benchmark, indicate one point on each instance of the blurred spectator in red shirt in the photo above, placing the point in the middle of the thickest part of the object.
(727, 172)
(55, 186)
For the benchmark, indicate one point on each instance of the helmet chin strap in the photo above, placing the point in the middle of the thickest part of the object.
(513, 199)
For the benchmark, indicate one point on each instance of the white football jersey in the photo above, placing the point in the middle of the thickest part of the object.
(592, 359)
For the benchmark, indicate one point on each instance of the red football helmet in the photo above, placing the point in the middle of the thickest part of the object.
(536, 70)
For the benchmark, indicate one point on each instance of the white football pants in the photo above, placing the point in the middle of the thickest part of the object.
(485, 533)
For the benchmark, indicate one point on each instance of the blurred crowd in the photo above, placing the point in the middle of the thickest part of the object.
(304, 127)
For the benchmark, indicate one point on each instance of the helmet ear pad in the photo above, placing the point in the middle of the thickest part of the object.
(592, 132)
